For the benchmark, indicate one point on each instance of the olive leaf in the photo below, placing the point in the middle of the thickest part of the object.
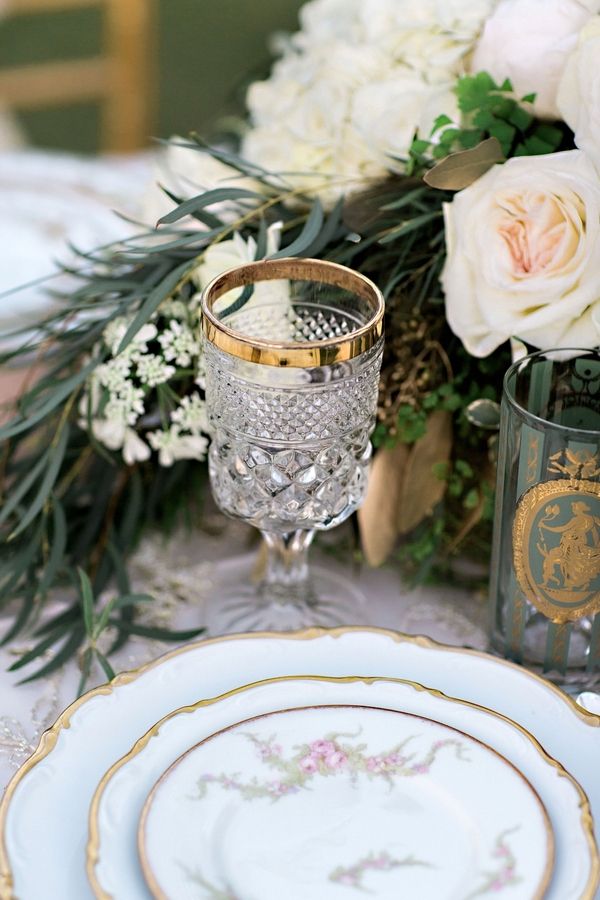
(377, 518)
(461, 169)
(484, 414)
(421, 490)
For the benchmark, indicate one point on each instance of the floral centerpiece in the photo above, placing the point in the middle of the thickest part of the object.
(448, 150)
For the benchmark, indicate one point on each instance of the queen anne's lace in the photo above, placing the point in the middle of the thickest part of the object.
(120, 400)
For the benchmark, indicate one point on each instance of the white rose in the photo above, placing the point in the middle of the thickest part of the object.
(385, 113)
(220, 257)
(187, 172)
(579, 91)
(529, 41)
(523, 254)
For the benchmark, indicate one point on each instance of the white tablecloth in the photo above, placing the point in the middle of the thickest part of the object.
(51, 200)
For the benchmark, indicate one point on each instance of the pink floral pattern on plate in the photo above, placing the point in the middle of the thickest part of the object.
(328, 756)
(353, 876)
(505, 872)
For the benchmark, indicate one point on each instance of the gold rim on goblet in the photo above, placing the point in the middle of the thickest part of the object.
(293, 354)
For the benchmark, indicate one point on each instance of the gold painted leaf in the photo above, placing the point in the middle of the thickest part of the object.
(421, 489)
(461, 169)
(378, 514)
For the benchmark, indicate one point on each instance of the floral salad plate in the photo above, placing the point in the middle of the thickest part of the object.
(116, 810)
(335, 801)
(44, 811)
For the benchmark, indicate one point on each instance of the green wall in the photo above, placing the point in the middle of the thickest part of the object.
(208, 50)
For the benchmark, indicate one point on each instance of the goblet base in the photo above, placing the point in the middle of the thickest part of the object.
(237, 602)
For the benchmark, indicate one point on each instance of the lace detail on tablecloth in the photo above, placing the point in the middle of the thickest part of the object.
(180, 573)
(19, 740)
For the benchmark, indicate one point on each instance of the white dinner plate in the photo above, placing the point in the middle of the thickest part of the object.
(43, 815)
(323, 802)
(117, 806)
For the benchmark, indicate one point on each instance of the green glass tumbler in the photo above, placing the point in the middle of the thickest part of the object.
(545, 581)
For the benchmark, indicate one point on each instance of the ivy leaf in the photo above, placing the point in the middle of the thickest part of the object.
(472, 91)
(440, 121)
(461, 169)
(505, 134)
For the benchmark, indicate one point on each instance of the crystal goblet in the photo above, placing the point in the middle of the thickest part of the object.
(293, 351)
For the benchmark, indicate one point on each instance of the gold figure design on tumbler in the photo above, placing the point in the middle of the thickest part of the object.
(556, 539)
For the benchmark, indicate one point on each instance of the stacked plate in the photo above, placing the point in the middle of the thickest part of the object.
(310, 765)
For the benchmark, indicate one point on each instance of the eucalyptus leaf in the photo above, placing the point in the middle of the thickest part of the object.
(410, 225)
(459, 170)
(159, 634)
(106, 666)
(309, 233)
(23, 487)
(40, 648)
(328, 232)
(56, 456)
(217, 195)
(207, 218)
(86, 665)
(25, 611)
(87, 602)
(18, 564)
(61, 391)
(68, 648)
(59, 544)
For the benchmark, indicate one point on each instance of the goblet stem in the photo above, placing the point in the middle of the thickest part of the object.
(286, 578)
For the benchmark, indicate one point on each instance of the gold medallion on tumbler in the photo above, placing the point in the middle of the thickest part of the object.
(556, 540)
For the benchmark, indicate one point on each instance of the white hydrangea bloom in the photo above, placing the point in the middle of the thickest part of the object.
(179, 344)
(353, 86)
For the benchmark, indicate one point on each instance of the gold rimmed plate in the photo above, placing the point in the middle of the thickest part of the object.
(299, 802)
(119, 800)
(38, 841)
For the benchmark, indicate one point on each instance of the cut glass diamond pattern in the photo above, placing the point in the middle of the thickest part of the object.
(291, 451)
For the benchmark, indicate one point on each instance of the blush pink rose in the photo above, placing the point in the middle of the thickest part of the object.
(523, 254)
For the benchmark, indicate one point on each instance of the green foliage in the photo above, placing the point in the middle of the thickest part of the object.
(487, 110)
(73, 512)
